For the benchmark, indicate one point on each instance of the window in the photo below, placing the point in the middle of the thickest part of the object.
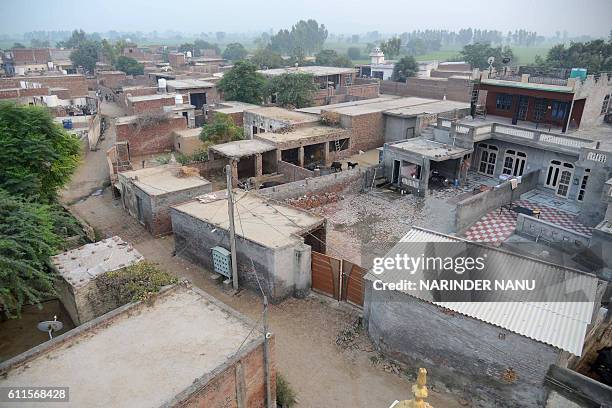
(605, 105)
(503, 102)
(583, 184)
(559, 177)
(488, 158)
(514, 162)
(559, 110)
(540, 109)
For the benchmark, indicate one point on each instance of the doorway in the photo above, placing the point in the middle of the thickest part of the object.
(396, 172)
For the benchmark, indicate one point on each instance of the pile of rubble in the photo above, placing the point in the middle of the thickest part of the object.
(309, 201)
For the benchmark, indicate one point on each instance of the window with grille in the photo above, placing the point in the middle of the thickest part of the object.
(503, 102)
(605, 105)
(583, 184)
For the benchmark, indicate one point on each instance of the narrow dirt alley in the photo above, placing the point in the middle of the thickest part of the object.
(322, 373)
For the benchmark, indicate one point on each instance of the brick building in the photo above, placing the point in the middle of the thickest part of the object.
(234, 109)
(148, 193)
(176, 59)
(111, 79)
(76, 84)
(196, 92)
(149, 103)
(182, 349)
(150, 134)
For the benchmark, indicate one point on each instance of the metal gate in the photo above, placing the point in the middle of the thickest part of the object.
(337, 278)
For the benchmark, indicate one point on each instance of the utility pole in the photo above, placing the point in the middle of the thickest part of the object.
(267, 335)
(230, 211)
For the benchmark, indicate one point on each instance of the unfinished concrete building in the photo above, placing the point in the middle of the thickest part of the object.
(78, 270)
(273, 241)
(148, 193)
(274, 119)
(184, 348)
(247, 158)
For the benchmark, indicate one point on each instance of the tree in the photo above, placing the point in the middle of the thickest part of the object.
(205, 45)
(293, 90)
(391, 47)
(26, 243)
(37, 43)
(354, 53)
(304, 38)
(595, 56)
(221, 129)
(77, 38)
(18, 45)
(404, 68)
(265, 58)
(86, 55)
(243, 83)
(234, 52)
(37, 157)
(477, 54)
(129, 65)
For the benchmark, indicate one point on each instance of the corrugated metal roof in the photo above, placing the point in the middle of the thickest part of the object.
(560, 324)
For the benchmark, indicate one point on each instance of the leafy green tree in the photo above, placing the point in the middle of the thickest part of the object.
(595, 56)
(26, 243)
(221, 129)
(477, 54)
(234, 52)
(308, 35)
(37, 157)
(331, 58)
(293, 90)
(18, 45)
(129, 65)
(281, 42)
(37, 43)
(265, 58)
(77, 38)
(404, 68)
(354, 53)
(243, 83)
(86, 55)
(205, 45)
(391, 47)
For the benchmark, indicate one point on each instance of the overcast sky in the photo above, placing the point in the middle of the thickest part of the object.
(592, 17)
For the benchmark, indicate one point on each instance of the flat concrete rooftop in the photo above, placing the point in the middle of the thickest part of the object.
(81, 265)
(163, 179)
(432, 150)
(316, 110)
(189, 83)
(234, 107)
(302, 134)
(259, 220)
(242, 148)
(380, 106)
(428, 108)
(312, 70)
(143, 98)
(528, 85)
(293, 117)
(140, 355)
(188, 133)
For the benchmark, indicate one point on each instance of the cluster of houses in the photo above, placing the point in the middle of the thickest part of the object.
(529, 160)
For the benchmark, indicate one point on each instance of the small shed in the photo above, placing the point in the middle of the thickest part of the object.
(78, 270)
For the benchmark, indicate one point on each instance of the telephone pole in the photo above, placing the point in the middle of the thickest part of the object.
(267, 335)
(230, 211)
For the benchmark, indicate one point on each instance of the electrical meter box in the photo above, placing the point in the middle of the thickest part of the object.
(222, 261)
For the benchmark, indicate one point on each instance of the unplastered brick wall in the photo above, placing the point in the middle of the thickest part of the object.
(367, 130)
(242, 378)
(113, 79)
(455, 89)
(150, 138)
(22, 93)
(76, 84)
(152, 105)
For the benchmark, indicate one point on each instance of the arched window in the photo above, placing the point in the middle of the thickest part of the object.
(559, 177)
(514, 162)
(488, 158)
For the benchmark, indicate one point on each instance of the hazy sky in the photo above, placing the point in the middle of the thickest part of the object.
(592, 17)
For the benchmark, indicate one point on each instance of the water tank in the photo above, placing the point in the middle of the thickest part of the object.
(178, 100)
(20, 71)
(188, 54)
(161, 85)
(578, 73)
(51, 100)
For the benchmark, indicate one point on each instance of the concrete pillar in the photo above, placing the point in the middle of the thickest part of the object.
(424, 182)
(279, 155)
(301, 156)
(234, 164)
(326, 153)
(258, 164)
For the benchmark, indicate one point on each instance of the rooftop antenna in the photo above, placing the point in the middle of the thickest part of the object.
(50, 326)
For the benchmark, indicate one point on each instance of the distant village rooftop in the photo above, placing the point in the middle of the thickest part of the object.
(314, 70)
(293, 117)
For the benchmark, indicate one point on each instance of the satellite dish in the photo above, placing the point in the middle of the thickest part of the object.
(50, 326)
(506, 60)
(491, 60)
